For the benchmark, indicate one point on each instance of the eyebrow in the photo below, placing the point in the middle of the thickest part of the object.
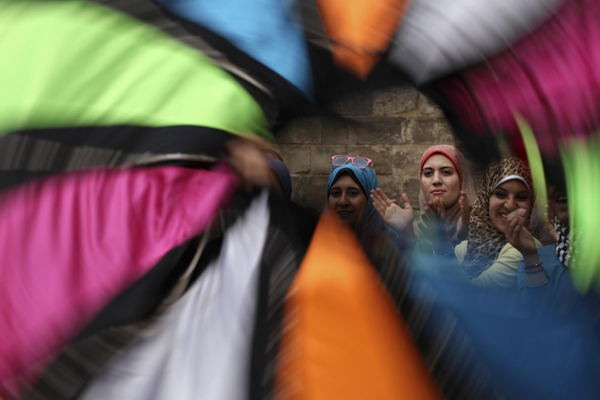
(339, 188)
(443, 167)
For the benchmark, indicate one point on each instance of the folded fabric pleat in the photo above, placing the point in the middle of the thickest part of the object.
(71, 243)
(201, 347)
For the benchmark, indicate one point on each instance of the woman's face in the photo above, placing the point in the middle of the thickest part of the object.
(348, 201)
(505, 199)
(440, 180)
(558, 204)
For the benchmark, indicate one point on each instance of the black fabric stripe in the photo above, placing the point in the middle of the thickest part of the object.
(290, 231)
(30, 154)
(13, 178)
(140, 300)
(137, 139)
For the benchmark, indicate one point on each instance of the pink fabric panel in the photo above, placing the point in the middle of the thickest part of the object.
(71, 243)
(551, 78)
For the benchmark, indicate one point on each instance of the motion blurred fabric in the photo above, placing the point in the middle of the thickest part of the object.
(159, 18)
(550, 79)
(283, 176)
(71, 243)
(267, 30)
(343, 338)
(76, 63)
(32, 153)
(438, 37)
(202, 345)
(360, 31)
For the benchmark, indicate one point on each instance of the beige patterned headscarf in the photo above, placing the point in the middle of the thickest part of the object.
(485, 240)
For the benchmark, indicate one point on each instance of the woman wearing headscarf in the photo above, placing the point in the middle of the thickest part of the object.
(487, 259)
(349, 183)
(446, 187)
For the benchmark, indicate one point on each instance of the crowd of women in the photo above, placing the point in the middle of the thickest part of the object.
(483, 238)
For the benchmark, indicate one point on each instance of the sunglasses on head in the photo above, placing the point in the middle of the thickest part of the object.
(358, 162)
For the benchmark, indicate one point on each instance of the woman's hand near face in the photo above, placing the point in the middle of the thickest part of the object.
(394, 216)
(519, 236)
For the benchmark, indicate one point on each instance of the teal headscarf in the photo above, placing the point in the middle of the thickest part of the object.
(367, 179)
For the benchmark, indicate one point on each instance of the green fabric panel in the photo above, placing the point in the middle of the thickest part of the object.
(535, 164)
(582, 169)
(74, 63)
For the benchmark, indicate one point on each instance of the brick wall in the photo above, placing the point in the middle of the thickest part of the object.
(395, 126)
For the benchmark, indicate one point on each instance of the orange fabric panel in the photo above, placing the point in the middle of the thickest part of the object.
(342, 336)
(360, 30)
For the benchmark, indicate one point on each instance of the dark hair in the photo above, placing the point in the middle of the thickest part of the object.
(350, 173)
(555, 174)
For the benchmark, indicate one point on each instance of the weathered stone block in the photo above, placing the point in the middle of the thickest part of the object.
(382, 157)
(429, 131)
(320, 157)
(300, 131)
(377, 130)
(285, 134)
(315, 192)
(412, 187)
(334, 131)
(407, 159)
(297, 189)
(395, 100)
(296, 158)
(360, 103)
(428, 107)
(391, 186)
(307, 130)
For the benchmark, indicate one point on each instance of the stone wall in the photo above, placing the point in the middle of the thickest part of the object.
(395, 126)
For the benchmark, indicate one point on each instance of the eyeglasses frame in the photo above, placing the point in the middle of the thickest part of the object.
(369, 161)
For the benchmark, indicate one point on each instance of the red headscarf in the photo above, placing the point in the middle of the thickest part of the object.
(466, 182)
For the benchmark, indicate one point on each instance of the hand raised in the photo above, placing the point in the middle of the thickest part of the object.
(393, 215)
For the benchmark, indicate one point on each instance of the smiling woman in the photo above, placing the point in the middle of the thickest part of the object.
(347, 194)
(348, 199)
(487, 259)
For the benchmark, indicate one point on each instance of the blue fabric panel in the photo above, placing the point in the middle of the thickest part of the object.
(264, 29)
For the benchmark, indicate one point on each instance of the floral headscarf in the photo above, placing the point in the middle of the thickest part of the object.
(485, 240)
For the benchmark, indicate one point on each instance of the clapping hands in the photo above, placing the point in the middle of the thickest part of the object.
(518, 235)
(436, 211)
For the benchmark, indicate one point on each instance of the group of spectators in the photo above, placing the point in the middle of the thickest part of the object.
(483, 238)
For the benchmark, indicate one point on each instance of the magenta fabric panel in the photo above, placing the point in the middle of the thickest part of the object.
(551, 78)
(71, 243)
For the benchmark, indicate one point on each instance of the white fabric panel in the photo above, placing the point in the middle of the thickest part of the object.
(437, 37)
(200, 349)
